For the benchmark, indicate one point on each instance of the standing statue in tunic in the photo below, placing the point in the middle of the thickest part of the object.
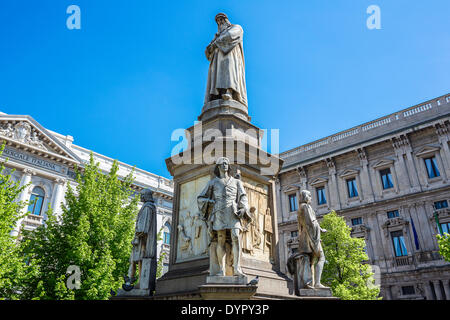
(224, 203)
(143, 254)
(307, 265)
(226, 75)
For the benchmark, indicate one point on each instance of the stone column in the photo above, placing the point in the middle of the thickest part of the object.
(428, 292)
(388, 293)
(58, 194)
(399, 144)
(412, 170)
(443, 136)
(24, 196)
(366, 182)
(446, 289)
(437, 290)
(335, 199)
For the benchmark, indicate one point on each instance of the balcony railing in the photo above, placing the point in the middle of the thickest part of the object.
(400, 115)
(403, 261)
(33, 220)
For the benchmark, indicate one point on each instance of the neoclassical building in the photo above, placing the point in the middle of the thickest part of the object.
(47, 159)
(390, 180)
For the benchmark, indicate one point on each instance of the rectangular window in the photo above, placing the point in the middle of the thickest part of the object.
(445, 227)
(432, 168)
(294, 234)
(392, 214)
(356, 221)
(292, 202)
(441, 204)
(399, 244)
(166, 238)
(386, 178)
(408, 290)
(351, 188)
(321, 198)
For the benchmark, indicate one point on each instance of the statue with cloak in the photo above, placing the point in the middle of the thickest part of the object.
(226, 75)
(224, 203)
(143, 255)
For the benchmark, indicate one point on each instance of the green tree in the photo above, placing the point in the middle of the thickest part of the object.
(13, 268)
(93, 233)
(344, 269)
(444, 246)
(160, 264)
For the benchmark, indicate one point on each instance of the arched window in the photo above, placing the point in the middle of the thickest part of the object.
(36, 200)
(167, 233)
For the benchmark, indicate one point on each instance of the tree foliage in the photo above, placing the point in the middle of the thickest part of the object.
(12, 263)
(344, 269)
(444, 246)
(94, 233)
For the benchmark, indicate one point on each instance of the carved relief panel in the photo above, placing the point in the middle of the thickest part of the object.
(193, 237)
(257, 235)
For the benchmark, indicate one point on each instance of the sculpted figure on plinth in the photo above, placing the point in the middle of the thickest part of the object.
(226, 75)
(224, 203)
(307, 265)
(143, 255)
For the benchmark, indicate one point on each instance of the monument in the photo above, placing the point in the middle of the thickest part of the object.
(307, 264)
(226, 244)
(143, 255)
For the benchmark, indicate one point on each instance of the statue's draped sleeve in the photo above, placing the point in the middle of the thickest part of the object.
(229, 39)
(204, 196)
(242, 200)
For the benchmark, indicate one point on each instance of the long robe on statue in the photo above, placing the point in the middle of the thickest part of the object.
(227, 67)
(229, 196)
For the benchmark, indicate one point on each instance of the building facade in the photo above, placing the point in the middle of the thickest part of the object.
(47, 159)
(390, 180)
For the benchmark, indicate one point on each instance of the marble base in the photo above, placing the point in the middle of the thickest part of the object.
(315, 292)
(134, 293)
(227, 280)
(226, 292)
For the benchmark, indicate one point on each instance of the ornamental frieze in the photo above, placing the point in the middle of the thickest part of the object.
(22, 132)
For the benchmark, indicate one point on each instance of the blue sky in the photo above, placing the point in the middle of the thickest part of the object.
(136, 70)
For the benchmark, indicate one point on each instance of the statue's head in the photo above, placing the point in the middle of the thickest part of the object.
(222, 21)
(222, 165)
(147, 195)
(305, 196)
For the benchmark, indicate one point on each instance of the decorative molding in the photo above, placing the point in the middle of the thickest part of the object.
(427, 150)
(400, 141)
(384, 163)
(360, 229)
(301, 171)
(22, 132)
(394, 224)
(349, 173)
(319, 181)
(291, 188)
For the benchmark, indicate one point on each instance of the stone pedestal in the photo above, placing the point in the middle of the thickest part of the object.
(315, 292)
(227, 280)
(227, 292)
(133, 293)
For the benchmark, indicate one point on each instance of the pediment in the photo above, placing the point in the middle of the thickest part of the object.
(318, 181)
(384, 163)
(427, 150)
(291, 188)
(349, 173)
(24, 133)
